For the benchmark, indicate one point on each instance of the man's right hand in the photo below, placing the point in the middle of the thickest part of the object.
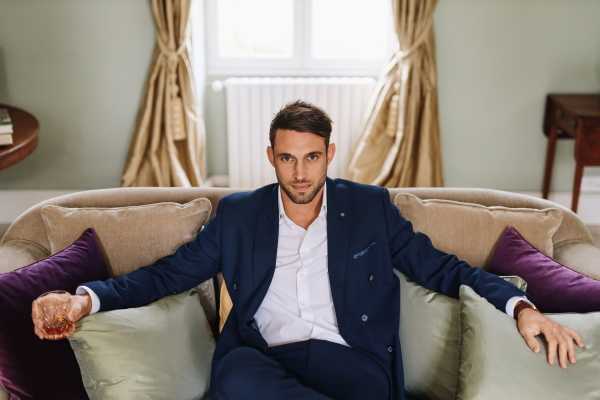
(43, 311)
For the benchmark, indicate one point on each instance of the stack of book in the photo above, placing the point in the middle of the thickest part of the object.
(6, 128)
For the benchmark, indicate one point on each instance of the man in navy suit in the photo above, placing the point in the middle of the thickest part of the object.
(308, 263)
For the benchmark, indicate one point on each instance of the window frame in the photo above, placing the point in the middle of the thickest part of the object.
(300, 64)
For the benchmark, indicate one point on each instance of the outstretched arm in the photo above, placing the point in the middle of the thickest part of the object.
(414, 255)
(190, 265)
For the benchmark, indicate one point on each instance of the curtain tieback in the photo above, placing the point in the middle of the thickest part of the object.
(172, 55)
(178, 107)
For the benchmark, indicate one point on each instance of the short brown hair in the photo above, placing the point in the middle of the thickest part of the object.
(301, 116)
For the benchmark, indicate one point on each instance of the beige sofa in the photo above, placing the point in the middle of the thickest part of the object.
(25, 241)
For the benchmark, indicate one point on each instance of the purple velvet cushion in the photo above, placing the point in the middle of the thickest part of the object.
(551, 286)
(31, 368)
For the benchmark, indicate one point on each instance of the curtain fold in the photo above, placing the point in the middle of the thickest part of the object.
(400, 143)
(169, 140)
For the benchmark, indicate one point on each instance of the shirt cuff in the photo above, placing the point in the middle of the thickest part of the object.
(512, 303)
(93, 297)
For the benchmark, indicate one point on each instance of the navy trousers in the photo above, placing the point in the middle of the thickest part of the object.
(312, 369)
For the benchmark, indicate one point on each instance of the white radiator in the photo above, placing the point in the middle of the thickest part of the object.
(253, 102)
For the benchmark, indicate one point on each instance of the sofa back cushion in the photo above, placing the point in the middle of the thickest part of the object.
(133, 236)
(470, 231)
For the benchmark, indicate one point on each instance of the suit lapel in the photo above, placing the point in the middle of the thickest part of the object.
(265, 246)
(337, 244)
(266, 234)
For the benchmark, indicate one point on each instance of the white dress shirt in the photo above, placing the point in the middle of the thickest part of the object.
(298, 304)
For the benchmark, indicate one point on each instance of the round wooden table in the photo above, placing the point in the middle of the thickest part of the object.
(25, 137)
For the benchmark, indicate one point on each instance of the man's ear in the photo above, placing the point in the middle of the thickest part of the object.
(271, 156)
(330, 152)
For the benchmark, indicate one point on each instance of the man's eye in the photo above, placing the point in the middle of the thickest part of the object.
(313, 157)
(285, 158)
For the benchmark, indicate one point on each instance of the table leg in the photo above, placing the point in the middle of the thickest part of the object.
(550, 151)
(576, 185)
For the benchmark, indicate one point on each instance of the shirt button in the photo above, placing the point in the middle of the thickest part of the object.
(371, 277)
(364, 317)
(390, 349)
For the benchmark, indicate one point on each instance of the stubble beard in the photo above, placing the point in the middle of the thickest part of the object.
(306, 197)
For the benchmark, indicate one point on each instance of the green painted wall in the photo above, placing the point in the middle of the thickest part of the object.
(80, 67)
(496, 62)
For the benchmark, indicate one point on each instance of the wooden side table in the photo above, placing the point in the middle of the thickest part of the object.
(572, 116)
(25, 137)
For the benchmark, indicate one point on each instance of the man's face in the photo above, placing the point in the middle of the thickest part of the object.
(300, 160)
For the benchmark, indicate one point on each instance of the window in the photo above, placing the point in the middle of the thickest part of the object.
(300, 37)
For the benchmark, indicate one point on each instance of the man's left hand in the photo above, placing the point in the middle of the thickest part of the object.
(560, 339)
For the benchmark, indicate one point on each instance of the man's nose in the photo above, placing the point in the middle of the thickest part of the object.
(300, 171)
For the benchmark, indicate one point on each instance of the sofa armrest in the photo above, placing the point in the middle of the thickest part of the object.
(582, 257)
(18, 253)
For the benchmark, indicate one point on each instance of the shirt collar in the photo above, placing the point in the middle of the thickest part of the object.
(282, 213)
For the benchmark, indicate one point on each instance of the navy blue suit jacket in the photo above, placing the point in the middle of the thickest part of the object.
(366, 235)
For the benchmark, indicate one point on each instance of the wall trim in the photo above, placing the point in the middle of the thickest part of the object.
(14, 202)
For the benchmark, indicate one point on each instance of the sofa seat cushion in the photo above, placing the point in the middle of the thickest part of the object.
(159, 351)
(497, 364)
(470, 231)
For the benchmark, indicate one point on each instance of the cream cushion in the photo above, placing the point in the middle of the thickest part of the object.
(470, 231)
(133, 236)
(159, 351)
(497, 364)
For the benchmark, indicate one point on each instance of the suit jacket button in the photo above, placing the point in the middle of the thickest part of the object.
(364, 317)
(390, 349)
(234, 286)
(342, 214)
(371, 277)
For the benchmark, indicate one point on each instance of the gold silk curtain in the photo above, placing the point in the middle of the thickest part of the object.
(400, 144)
(168, 145)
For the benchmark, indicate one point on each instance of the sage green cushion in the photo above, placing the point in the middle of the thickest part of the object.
(497, 364)
(430, 339)
(159, 351)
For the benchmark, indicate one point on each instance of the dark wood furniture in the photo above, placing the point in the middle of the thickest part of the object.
(572, 116)
(25, 137)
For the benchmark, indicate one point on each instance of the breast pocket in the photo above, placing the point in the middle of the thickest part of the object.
(364, 251)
